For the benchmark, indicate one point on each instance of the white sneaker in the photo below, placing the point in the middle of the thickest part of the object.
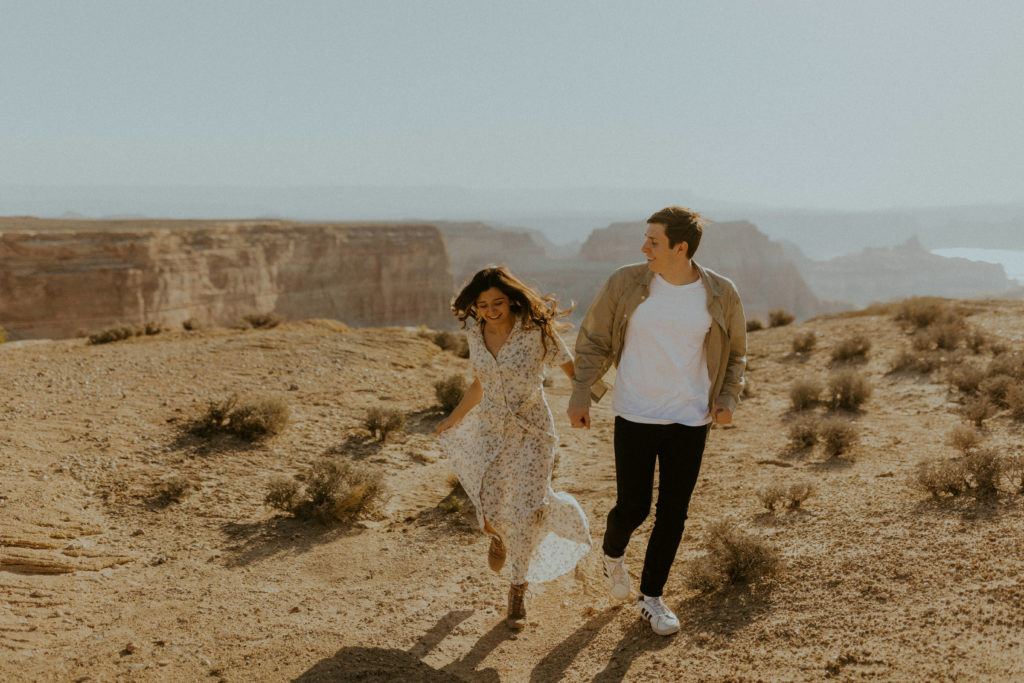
(618, 577)
(662, 620)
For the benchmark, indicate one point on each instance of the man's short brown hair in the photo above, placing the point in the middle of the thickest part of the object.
(681, 225)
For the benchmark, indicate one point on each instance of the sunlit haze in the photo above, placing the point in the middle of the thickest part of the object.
(849, 105)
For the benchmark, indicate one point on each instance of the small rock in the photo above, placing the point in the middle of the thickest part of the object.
(130, 648)
(295, 609)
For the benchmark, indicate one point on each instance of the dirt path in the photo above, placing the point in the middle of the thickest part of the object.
(101, 581)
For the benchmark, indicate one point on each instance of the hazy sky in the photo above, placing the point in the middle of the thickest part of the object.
(813, 103)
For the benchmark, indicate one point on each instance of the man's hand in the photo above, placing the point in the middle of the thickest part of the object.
(721, 415)
(579, 416)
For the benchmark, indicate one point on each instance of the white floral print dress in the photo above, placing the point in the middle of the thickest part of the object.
(503, 452)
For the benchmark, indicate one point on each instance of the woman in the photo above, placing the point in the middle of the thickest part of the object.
(500, 438)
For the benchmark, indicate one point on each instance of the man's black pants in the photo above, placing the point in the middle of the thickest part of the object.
(678, 449)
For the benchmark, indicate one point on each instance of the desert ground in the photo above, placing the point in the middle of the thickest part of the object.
(102, 580)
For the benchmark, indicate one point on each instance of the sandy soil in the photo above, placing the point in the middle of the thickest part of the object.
(99, 581)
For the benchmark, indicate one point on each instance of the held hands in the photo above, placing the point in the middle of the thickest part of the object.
(579, 416)
(721, 415)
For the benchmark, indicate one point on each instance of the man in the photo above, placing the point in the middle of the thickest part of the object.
(676, 334)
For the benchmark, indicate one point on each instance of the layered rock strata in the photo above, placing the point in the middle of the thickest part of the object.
(59, 277)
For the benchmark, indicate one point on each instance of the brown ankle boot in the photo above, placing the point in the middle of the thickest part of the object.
(516, 606)
(496, 554)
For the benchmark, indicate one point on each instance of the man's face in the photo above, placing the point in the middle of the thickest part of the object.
(662, 258)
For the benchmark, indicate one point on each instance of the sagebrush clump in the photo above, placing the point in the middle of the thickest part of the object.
(838, 435)
(454, 342)
(847, 390)
(383, 421)
(732, 557)
(780, 317)
(333, 491)
(120, 332)
(941, 477)
(262, 320)
(963, 438)
(250, 420)
(450, 390)
(173, 489)
(854, 348)
(803, 432)
(977, 409)
(805, 393)
(805, 342)
(754, 324)
(790, 496)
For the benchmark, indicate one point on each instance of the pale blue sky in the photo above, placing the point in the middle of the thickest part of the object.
(821, 103)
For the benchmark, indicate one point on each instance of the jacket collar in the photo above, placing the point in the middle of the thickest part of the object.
(710, 283)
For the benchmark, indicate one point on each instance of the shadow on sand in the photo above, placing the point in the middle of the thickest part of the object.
(249, 542)
(384, 664)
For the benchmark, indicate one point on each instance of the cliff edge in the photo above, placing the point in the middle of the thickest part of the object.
(58, 277)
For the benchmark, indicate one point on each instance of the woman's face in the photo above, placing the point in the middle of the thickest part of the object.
(493, 306)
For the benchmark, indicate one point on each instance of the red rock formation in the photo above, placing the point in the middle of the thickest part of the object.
(57, 277)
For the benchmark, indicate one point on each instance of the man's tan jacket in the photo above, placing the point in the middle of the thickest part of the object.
(603, 334)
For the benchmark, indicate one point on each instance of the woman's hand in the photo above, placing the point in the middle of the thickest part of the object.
(446, 423)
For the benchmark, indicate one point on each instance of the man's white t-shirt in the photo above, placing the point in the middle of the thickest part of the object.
(662, 376)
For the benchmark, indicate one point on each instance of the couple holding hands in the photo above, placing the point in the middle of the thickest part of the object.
(675, 332)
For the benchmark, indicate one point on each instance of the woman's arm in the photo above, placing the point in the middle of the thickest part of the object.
(469, 400)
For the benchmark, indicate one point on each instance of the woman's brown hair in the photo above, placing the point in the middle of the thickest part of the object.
(525, 302)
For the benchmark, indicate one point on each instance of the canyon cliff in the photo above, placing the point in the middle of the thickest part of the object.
(61, 276)
(764, 275)
(888, 273)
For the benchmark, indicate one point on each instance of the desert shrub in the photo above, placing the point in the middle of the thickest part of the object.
(452, 341)
(780, 317)
(996, 387)
(942, 477)
(452, 504)
(1013, 470)
(947, 335)
(838, 436)
(920, 362)
(855, 347)
(797, 493)
(282, 493)
(963, 438)
(150, 327)
(1014, 399)
(803, 432)
(1009, 364)
(732, 557)
(112, 334)
(190, 325)
(976, 340)
(984, 469)
(450, 390)
(805, 393)
(966, 378)
(383, 421)
(754, 324)
(262, 320)
(805, 341)
(250, 420)
(333, 491)
(847, 390)
(920, 311)
(772, 495)
(791, 496)
(174, 488)
(977, 409)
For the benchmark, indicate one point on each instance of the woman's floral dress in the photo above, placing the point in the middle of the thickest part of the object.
(503, 453)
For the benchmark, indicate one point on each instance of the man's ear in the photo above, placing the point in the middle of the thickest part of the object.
(684, 247)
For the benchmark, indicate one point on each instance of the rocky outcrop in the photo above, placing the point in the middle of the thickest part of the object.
(472, 246)
(885, 273)
(57, 277)
(764, 275)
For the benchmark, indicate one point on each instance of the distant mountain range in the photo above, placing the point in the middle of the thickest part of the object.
(562, 215)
